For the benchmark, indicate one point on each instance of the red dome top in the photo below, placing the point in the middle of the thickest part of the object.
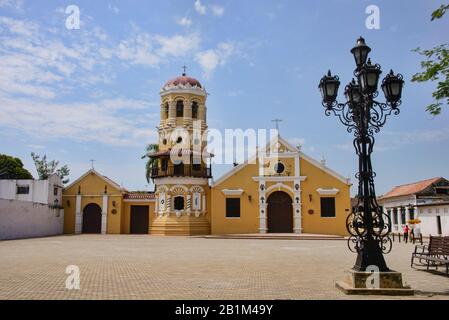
(183, 80)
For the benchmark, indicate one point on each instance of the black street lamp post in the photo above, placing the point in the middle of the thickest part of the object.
(364, 116)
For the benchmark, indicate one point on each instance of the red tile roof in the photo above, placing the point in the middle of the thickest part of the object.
(183, 80)
(412, 188)
(139, 196)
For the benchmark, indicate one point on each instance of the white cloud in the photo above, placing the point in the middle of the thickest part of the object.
(184, 21)
(19, 27)
(148, 50)
(99, 121)
(210, 59)
(177, 45)
(113, 8)
(138, 50)
(200, 8)
(12, 4)
(217, 10)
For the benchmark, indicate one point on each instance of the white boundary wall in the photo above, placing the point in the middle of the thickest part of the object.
(23, 219)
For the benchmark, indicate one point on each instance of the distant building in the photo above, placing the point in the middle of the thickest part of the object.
(434, 218)
(419, 199)
(39, 191)
(31, 208)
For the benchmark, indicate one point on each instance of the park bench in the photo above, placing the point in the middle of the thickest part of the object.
(435, 253)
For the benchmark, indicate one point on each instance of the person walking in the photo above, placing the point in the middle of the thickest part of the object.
(406, 231)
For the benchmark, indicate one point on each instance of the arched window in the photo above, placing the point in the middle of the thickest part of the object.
(194, 110)
(179, 109)
(166, 107)
(179, 203)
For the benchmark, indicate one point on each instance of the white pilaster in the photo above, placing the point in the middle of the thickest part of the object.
(262, 207)
(407, 214)
(78, 216)
(263, 218)
(104, 214)
(297, 212)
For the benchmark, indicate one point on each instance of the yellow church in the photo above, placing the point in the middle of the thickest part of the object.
(279, 190)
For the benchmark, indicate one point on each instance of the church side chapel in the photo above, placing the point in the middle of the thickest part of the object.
(279, 190)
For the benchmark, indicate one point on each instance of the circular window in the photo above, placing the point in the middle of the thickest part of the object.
(196, 141)
(164, 141)
(279, 167)
(179, 140)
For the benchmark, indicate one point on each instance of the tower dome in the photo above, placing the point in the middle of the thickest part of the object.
(182, 82)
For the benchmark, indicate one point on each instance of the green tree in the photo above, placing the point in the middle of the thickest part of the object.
(152, 162)
(436, 68)
(46, 168)
(12, 168)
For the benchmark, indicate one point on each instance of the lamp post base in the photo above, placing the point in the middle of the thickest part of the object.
(374, 283)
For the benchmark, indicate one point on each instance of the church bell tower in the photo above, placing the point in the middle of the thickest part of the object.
(182, 168)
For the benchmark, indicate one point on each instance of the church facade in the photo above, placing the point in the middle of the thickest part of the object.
(279, 190)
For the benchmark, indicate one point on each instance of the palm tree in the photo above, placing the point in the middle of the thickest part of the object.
(152, 162)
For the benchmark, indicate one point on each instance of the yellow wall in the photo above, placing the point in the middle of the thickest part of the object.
(92, 191)
(249, 219)
(314, 223)
(249, 210)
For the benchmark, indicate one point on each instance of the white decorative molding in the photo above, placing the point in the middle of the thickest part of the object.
(180, 180)
(233, 192)
(327, 192)
(179, 190)
(280, 178)
(162, 188)
(139, 200)
(181, 89)
(279, 186)
(197, 189)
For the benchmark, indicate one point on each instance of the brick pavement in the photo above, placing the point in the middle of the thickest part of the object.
(146, 267)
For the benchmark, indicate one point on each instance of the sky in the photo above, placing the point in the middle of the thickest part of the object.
(93, 92)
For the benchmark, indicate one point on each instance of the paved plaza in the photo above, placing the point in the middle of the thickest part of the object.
(148, 267)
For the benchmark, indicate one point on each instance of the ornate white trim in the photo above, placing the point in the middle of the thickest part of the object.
(176, 190)
(139, 200)
(327, 192)
(180, 180)
(279, 178)
(197, 189)
(234, 192)
(183, 89)
(280, 186)
(162, 188)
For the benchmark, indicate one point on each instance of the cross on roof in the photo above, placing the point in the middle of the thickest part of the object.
(277, 121)
(184, 67)
(92, 163)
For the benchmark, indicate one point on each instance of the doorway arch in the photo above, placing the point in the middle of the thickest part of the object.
(280, 213)
(92, 219)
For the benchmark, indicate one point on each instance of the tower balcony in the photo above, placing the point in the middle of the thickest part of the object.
(182, 170)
